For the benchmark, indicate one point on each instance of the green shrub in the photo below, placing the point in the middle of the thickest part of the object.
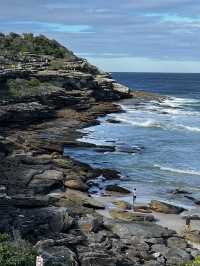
(19, 253)
(33, 82)
(196, 262)
(14, 88)
(20, 87)
(13, 44)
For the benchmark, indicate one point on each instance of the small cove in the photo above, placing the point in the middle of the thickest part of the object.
(164, 137)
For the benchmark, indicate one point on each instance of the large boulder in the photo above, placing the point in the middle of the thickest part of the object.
(130, 216)
(163, 207)
(75, 199)
(77, 184)
(193, 236)
(46, 181)
(140, 230)
(54, 253)
(117, 189)
(177, 256)
(121, 204)
(177, 242)
(34, 223)
(90, 223)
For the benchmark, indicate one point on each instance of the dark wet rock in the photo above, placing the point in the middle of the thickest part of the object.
(110, 174)
(117, 189)
(128, 149)
(33, 223)
(129, 216)
(104, 149)
(24, 112)
(24, 201)
(193, 214)
(180, 191)
(163, 207)
(195, 200)
(113, 121)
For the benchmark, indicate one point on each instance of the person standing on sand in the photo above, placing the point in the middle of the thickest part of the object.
(188, 224)
(134, 197)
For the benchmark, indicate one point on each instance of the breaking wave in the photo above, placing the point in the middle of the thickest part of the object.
(148, 123)
(179, 171)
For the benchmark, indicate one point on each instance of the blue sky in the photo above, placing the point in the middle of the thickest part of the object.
(117, 35)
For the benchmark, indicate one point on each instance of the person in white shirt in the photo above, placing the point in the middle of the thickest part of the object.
(134, 197)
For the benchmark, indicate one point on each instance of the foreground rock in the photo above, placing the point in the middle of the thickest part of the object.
(76, 200)
(76, 184)
(193, 236)
(164, 207)
(121, 204)
(56, 253)
(152, 243)
(129, 216)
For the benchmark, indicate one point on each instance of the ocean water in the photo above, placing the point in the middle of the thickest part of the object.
(165, 137)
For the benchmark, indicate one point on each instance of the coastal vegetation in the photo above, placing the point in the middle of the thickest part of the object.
(16, 253)
(22, 88)
(196, 262)
(14, 44)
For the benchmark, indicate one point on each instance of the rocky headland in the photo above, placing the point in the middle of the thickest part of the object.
(46, 94)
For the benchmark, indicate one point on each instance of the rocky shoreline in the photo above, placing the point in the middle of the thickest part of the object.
(44, 194)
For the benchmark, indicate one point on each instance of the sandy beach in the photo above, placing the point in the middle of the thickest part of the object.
(174, 222)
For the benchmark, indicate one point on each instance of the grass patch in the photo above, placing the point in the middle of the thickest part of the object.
(56, 64)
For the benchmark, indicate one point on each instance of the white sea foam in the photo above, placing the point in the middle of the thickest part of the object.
(178, 102)
(194, 129)
(176, 170)
(147, 123)
(171, 106)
